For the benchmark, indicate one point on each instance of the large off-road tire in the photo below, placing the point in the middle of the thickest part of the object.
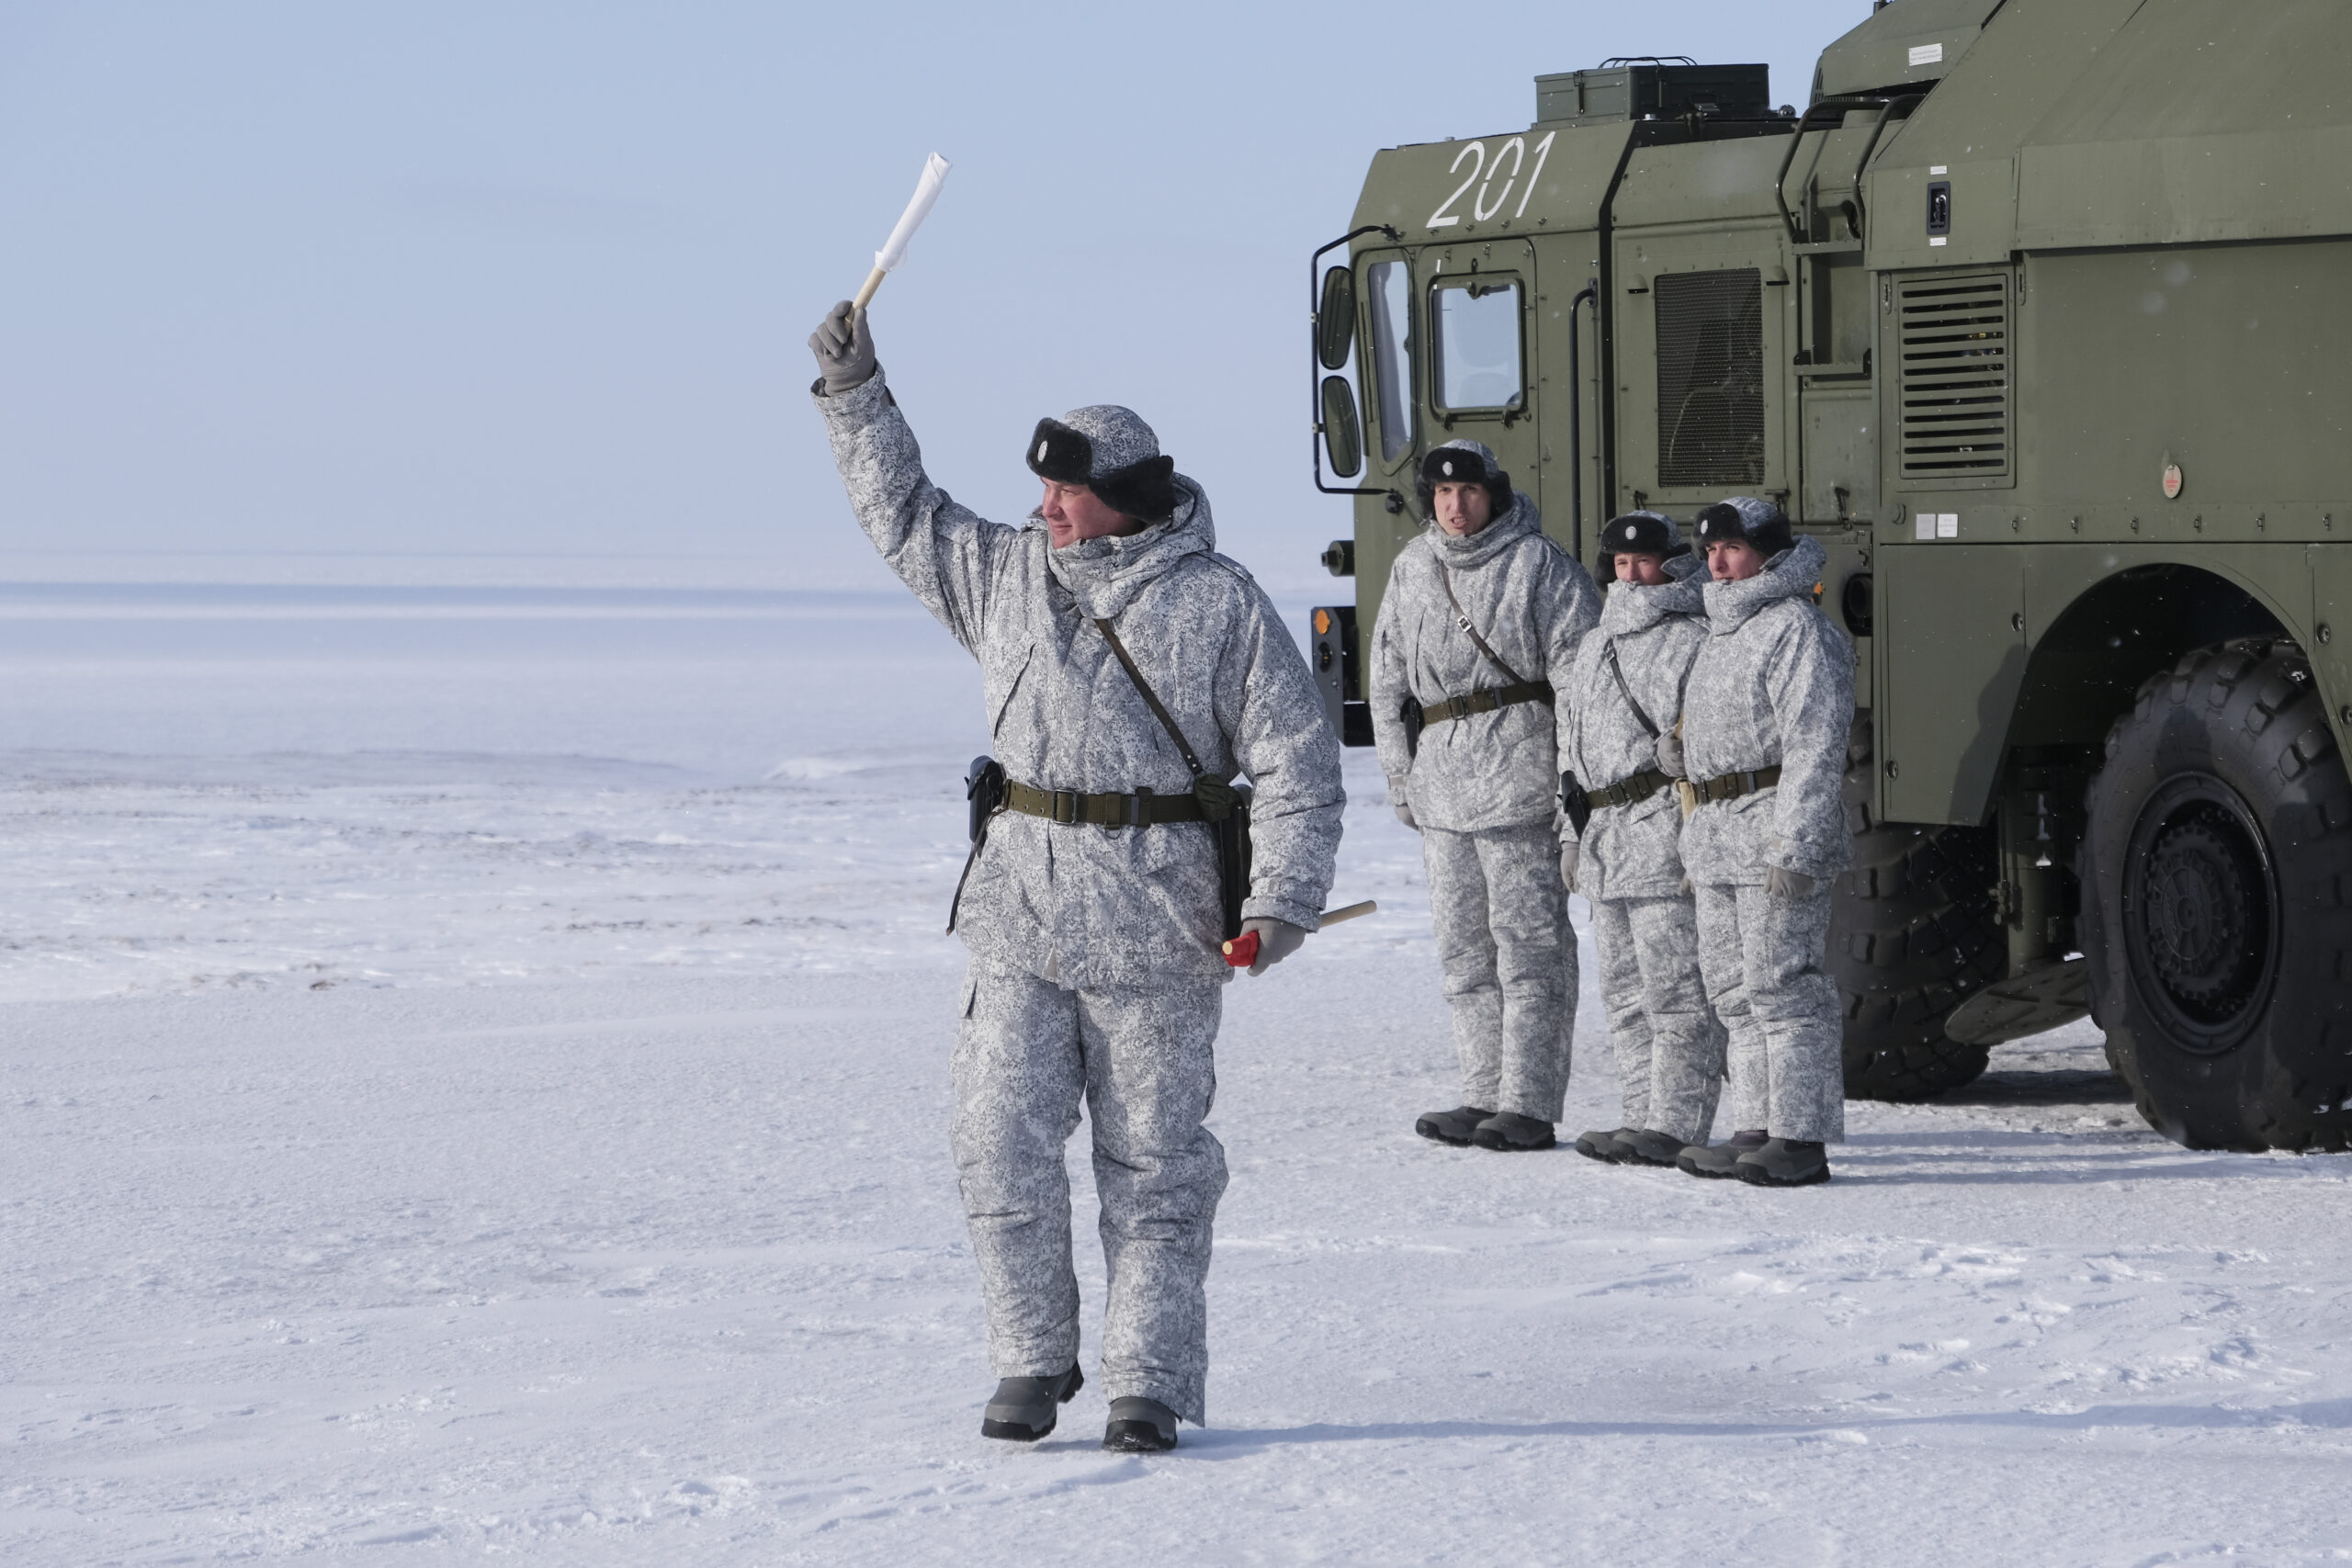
(2216, 869)
(1913, 932)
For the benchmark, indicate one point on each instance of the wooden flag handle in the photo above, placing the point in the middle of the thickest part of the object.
(1242, 950)
(865, 295)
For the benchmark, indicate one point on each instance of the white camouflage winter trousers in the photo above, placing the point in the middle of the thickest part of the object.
(1027, 1053)
(1509, 958)
(1761, 957)
(1669, 1048)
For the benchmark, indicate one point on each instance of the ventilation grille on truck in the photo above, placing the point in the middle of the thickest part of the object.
(1711, 377)
(1954, 348)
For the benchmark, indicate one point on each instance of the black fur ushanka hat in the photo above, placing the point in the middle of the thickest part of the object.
(1641, 534)
(1462, 462)
(1113, 453)
(1744, 518)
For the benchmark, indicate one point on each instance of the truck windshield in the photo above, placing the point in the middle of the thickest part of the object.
(1477, 326)
(1392, 354)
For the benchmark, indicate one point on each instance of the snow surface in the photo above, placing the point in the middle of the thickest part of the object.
(475, 1081)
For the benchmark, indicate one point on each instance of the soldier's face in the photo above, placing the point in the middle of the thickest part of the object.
(1074, 512)
(1647, 570)
(1731, 560)
(1462, 508)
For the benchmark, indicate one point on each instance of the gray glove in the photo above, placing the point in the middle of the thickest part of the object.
(1789, 885)
(1568, 863)
(1405, 815)
(844, 349)
(1277, 940)
(1669, 757)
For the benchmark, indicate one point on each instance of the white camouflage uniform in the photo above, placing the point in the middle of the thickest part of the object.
(1773, 684)
(1484, 789)
(1668, 1046)
(1095, 965)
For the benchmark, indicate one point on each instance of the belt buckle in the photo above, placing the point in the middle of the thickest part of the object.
(1138, 808)
(1064, 806)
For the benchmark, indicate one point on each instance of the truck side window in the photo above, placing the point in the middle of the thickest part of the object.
(1392, 354)
(1477, 327)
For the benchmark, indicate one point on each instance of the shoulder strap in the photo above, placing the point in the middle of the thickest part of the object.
(1682, 686)
(1462, 620)
(1151, 698)
(1608, 656)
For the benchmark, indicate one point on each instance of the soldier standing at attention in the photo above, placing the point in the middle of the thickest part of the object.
(1765, 721)
(1481, 617)
(1131, 673)
(1620, 847)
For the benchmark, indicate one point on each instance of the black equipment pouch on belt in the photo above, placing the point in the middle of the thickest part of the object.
(1574, 802)
(1408, 713)
(1224, 807)
(984, 790)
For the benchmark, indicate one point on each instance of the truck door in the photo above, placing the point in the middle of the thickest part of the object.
(1478, 300)
(1445, 351)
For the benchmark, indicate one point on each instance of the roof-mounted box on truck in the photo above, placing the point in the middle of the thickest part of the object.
(1623, 90)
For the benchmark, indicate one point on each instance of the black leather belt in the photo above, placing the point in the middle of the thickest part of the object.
(1488, 701)
(1629, 791)
(1731, 786)
(1141, 809)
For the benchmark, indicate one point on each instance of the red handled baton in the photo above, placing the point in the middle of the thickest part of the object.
(1242, 950)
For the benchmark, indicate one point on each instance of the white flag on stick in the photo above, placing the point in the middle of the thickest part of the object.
(893, 249)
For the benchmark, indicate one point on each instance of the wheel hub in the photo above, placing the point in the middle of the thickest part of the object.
(2201, 904)
(2200, 911)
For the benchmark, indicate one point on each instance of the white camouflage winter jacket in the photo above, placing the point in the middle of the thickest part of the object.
(1632, 851)
(1531, 601)
(1774, 683)
(1097, 907)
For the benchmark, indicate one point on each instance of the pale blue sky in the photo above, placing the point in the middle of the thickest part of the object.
(516, 276)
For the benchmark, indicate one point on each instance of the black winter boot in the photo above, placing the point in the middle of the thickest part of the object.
(1023, 1409)
(1610, 1148)
(1510, 1131)
(1653, 1148)
(1452, 1126)
(1784, 1162)
(1140, 1426)
(1716, 1162)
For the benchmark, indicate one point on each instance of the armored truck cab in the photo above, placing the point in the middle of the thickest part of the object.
(2036, 315)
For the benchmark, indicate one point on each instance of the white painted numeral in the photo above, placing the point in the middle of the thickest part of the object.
(1442, 219)
(1542, 151)
(1517, 148)
(1480, 209)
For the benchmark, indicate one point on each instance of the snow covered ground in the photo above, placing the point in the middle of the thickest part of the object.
(473, 1071)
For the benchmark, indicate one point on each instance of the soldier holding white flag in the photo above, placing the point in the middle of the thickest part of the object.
(1131, 674)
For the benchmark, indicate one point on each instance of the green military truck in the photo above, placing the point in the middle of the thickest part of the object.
(2038, 316)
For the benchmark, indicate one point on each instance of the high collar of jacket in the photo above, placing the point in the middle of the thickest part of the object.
(1633, 607)
(1789, 575)
(1468, 552)
(1105, 574)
